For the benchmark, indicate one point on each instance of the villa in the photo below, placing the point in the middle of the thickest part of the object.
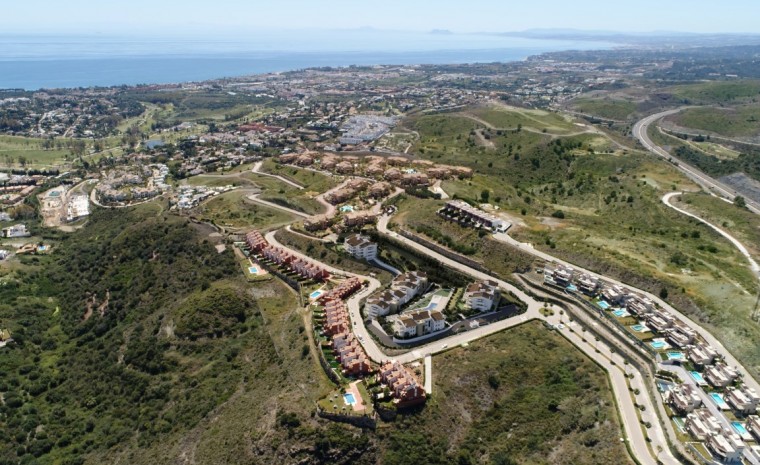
(615, 294)
(683, 398)
(379, 189)
(588, 284)
(701, 424)
(701, 355)
(744, 399)
(561, 275)
(482, 295)
(639, 305)
(727, 446)
(659, 320)
(418, 323)
(720, 375)
(680, 336)
(753, 426)
(18, 230)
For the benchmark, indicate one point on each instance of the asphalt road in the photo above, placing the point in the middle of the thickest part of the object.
(707, 182)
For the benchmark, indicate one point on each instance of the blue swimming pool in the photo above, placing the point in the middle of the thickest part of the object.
(571, 288)
(697, 377)
(349, 398)
(347, 208)
(253, 270)
(739, 428)
(603, 305)
(676, 356)
(620, 313)
(658, 344)
(315, 294)
(640, 328)
(718, 400)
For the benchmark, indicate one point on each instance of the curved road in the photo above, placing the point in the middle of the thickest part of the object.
(752, 263)
(710, 184)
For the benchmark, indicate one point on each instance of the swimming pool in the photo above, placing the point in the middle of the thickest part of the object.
(347, 208)
(253, 270)
(431, 305)
(719, 400)
(315, 294)
(676, 356)
(603, 305)
(658, 344)
(571, 288)
(349, 399)
(640, 328)
(697, 377)
(620, 313)
(739, 428)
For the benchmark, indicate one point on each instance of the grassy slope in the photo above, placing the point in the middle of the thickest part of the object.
(499, 403)
(641, 241)
(740, 121)
(234, 210)
(605, 108)
(720, 92)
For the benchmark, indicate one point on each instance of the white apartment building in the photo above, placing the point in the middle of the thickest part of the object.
(360, 247)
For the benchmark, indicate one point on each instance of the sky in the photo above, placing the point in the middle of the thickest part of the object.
(241, 17)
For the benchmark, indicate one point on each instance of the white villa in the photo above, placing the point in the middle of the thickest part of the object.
(683, 398)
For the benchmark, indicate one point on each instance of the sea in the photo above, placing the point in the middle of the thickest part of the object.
(51, 61)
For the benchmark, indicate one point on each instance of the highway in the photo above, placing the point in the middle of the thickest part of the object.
(711, 185)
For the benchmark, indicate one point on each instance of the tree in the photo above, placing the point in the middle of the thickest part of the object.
(485, 195)
(740, 202)
(664, 293)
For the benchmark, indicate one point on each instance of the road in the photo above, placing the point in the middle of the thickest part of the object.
(257, 169)
(625, 399)
(711, 185)
(752, 263)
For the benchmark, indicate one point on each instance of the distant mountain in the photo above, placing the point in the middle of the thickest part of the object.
(442, 32)
(660, 39)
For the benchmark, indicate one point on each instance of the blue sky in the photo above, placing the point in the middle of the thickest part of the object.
(241, 17)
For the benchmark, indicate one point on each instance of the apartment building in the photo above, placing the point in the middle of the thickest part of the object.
(639, 305)
(349, 353)
(256, 241)
(317, 223)
(343, 290)
(361, 247)
(359, 218)
(680, 335)
(482, 295)
(418, 323)
(405, 388)
(615, 294)
(464, 213)
(659, 320)
(588, 284)
(404, 288)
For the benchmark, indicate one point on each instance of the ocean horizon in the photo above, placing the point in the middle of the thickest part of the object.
(34, 62)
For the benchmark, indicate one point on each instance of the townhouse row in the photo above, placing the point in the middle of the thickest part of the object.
(304, 268)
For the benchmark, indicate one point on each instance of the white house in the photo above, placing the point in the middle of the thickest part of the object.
(360, 247)
(727, 446)
(743, 400)
(701, 354)
(683, 398)
(18, 230)
(720, 375)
